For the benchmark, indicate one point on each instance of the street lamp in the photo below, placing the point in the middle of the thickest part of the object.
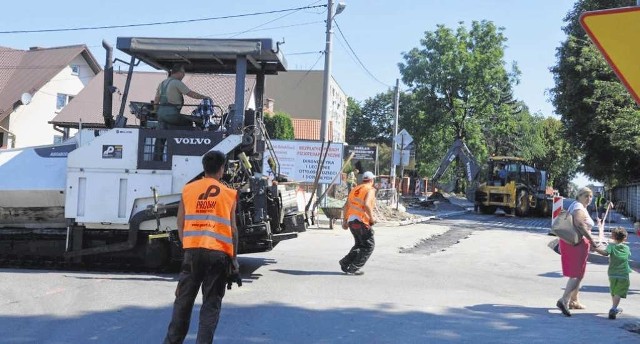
(324, 122)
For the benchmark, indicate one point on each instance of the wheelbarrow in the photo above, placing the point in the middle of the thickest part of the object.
(333, 214)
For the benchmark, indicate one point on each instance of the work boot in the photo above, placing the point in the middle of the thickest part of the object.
(343, 267)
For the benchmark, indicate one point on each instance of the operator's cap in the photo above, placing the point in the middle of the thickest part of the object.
(178, 67)
(368, 176)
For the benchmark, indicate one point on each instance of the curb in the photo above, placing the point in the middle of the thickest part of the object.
(418, 220)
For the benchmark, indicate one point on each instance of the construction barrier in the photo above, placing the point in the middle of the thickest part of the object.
(557, 208)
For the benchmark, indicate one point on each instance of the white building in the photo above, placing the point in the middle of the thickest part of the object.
(299, 94)
(34, 86)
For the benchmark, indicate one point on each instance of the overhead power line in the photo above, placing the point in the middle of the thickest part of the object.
(263, 24)
(357, 58)
(309, 70)
(307, 53)
(160, 23)
(224, 34)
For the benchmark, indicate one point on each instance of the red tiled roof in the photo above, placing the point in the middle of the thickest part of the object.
(87, 105)
(309, 129)
(27, 71)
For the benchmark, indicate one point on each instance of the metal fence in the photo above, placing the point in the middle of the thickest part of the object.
(387, 196)
(627, 200)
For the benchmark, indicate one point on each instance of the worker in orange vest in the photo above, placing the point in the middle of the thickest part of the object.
(358, 217)
(207, 229)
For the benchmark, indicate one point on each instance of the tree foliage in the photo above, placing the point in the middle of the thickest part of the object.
(371, 122)
(279, 126)
(354, 118)
(461, 88)
(560, 158)
(600, 117)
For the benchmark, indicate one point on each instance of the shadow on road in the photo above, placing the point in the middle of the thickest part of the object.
(552, 274)
(306, 273)
(148, 278)
(282, 323)
(603, 289)
(248, 266)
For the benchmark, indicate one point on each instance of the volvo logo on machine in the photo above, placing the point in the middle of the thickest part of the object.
(193, 140)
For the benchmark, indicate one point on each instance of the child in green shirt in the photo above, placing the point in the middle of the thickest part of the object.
(619, 268)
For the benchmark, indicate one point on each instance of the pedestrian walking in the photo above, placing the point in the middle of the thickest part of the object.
(619, 268)
(574, 258)
(358, 218)
(207, 230)
(600, 203)
(352, 181)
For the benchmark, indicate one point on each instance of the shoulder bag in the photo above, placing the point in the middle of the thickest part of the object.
(564, 229)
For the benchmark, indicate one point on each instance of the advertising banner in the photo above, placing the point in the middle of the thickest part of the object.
(361, 152)
(299, 160)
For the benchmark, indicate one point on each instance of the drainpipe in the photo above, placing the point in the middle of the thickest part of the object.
(12, 135)
(63, 131)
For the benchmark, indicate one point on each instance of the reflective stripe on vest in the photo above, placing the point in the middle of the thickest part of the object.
(207, 221)
(357, 205)
(209, 218)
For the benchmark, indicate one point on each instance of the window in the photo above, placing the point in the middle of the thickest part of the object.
(62, 100)
(1, 140)
(75, 69)
(57, 139)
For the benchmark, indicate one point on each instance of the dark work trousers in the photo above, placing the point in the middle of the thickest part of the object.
(206, 268)
(362, 249)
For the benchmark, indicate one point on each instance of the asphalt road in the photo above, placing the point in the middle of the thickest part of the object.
(462, 279)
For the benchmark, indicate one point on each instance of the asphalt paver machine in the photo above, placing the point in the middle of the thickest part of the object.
(112, 194)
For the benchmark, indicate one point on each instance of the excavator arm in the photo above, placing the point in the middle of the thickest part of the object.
(458, 150)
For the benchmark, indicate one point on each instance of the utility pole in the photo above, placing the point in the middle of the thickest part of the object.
(396, 107)
(324, 122)
(401, 167)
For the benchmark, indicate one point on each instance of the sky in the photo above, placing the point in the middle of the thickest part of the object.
(378, 31)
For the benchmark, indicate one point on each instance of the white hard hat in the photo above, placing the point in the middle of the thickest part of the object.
(368, 176)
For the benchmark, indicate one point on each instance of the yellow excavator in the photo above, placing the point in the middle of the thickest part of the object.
(505, 182)
(519, 189)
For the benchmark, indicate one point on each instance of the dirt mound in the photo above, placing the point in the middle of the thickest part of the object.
(383, 212)
(437, 196)
(388, 213)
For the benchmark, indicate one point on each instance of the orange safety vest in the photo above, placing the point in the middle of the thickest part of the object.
(207, 215)
(357, 204)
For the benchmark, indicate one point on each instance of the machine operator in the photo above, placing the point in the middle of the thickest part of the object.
(170, 99)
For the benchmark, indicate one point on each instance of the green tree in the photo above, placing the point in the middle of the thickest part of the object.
(561, 159)
(601, 118)
(460, 87)
(372, 122)
(279, 126)
(354, 118)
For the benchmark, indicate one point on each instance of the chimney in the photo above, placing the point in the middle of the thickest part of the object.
(268, 108)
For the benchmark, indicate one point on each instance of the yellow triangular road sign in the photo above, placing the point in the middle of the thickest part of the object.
(616, 33)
